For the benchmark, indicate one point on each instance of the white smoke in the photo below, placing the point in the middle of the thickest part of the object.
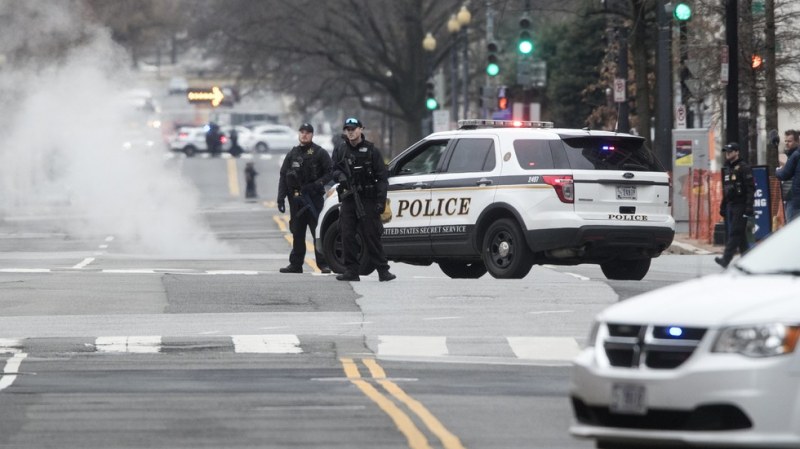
(64, 122)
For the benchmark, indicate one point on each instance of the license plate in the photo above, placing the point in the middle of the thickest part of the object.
(626, 192)
(628, 399)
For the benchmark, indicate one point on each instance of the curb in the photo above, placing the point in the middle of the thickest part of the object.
(678, 247)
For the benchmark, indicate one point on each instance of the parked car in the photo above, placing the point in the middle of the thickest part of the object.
(501, 196)
(711, 362)
(192, 140)
(245, 136)
(267, 138)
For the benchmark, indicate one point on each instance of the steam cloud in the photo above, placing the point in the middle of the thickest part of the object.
(64, 120)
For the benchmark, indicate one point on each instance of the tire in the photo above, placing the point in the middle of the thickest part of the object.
(462, 270)
(332, 250)
(505, 252)
(626, 270)
(189, 150)
(262, 147)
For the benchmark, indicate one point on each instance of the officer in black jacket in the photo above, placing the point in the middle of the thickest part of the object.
(738, 188)
(363, 183)
(304, 173)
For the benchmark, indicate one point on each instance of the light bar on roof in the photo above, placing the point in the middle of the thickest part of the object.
(484, 123)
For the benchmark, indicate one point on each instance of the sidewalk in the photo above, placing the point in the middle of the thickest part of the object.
(682, 244)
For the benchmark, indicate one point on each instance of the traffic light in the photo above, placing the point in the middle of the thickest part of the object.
(492, 62)
(502, 99)
(525, 42)
(430, 97)
(682, 11)
(756, 62)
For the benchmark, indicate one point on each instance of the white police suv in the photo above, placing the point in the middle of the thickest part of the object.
(500, 196)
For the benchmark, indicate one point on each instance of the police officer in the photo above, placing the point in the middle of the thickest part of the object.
(738, 188)
(363, 182)
(304, 173)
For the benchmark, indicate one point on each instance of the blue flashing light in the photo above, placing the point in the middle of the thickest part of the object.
(608, 148)
(675, 331)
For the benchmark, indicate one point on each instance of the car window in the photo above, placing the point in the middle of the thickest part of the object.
(609, 153)
(533, 154)
(472, 155)
(424, 160)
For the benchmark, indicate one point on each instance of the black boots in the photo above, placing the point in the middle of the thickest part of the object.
(385, 276)
(291, 269)
(348, 276)
(722, 262)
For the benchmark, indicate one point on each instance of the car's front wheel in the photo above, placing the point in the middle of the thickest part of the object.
(626, 270)
(189, 150)
(505, 252)
(262, 147)
(333, 251)
(462, 270)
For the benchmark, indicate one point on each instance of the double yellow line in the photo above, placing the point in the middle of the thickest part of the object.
(283, 225)
(416, 439)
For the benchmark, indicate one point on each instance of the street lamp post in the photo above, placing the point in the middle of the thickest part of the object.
(429, 45)
(453, 26)
(464, 17)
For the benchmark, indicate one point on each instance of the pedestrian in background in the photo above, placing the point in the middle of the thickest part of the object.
(304, 173)
(214, 139)
(235, 150)
(250, 174)
(738, 188)
(363, 183)
(789, 174)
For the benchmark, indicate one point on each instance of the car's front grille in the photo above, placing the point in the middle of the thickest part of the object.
(657, 347)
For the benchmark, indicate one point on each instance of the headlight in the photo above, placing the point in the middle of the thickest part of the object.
(764, 340)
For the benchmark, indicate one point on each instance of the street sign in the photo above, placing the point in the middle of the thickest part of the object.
(441, 120)
(619, 90)
(213, 96)
(680, 117)
(725, 66)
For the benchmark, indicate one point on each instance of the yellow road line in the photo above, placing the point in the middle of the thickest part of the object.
(233, 179)
(449, 440)
(416, 439)
(283, 225)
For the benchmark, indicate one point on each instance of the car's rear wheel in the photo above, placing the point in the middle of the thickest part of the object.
(505, 252)
(333, 251)
(189, 150)
(262, 147)
(626, 270)
(462, 270)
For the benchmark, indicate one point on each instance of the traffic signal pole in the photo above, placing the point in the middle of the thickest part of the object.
(732, 89)
(663, 142)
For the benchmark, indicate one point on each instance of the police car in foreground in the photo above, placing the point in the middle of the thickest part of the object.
(712, 362)
(501, 196)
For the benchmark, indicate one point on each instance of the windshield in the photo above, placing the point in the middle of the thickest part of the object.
(780, 253)
(609, 153)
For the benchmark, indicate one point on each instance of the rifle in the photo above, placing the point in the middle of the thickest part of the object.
(349, 188)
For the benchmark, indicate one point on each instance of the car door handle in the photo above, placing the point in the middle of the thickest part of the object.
(483, 182)
(420, 185)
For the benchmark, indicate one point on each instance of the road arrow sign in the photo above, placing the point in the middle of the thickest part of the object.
(214, 96)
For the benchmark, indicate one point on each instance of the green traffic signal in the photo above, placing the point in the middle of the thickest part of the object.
(492, 69)
(431, 104)
(525, 46)
(683, 12)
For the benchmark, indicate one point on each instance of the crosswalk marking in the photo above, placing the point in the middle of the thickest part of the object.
(544, 348)
(267, 344)
(140, 344)
(396, 345)
(520, 348)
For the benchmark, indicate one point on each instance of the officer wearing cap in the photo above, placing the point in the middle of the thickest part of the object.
(738, 188)
(359, 167)
(304, 172)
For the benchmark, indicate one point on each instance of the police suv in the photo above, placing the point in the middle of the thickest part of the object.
(501, 196)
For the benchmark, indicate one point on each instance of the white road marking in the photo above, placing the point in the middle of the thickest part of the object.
(84, 262)
(11, 369)
(104, 246)
(9, 345)
(137, 344)
(437, 318)
(24, 270)
(544, 348)
(131, 271)
(245, 272)
(267, 344)
(110, 238)
(399, 345)
(545, 312)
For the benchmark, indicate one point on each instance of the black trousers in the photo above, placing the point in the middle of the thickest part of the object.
(371, 229)
(302, 218)
(736, 228)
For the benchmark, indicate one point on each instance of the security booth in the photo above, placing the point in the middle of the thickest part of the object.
(691, 181)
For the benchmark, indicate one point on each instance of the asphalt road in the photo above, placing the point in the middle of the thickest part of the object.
(168, 325)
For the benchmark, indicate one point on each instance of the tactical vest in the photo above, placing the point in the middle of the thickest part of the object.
(303, 167)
